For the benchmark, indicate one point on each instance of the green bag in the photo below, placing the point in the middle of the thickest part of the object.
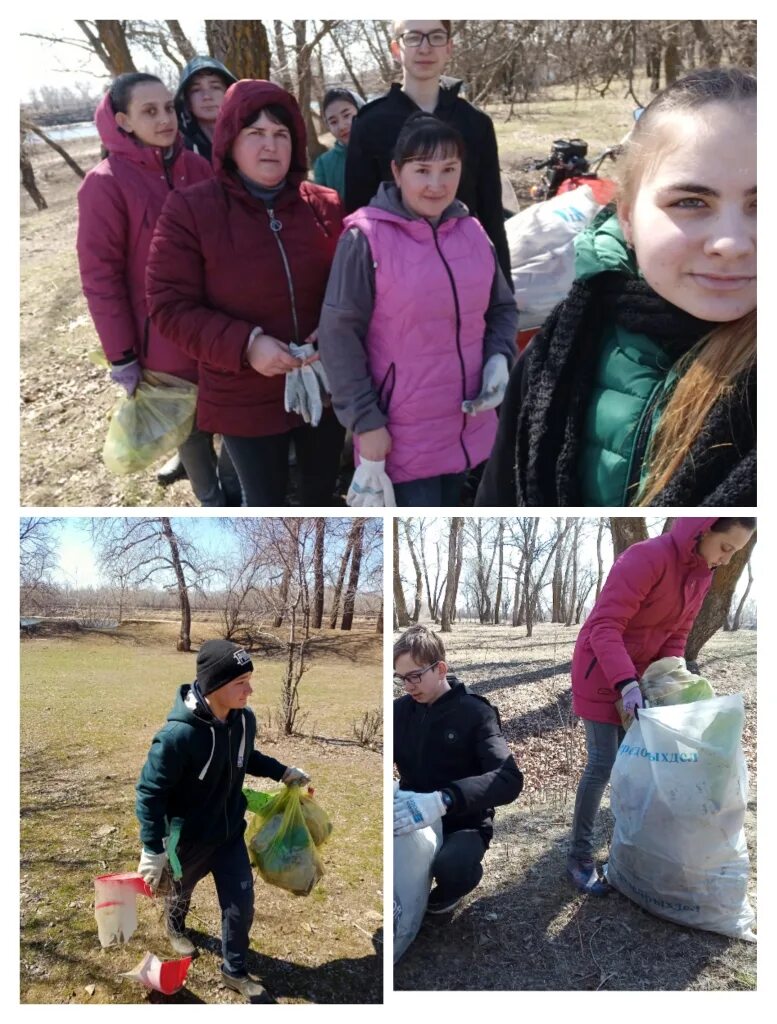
(149, 424)
(279, 841)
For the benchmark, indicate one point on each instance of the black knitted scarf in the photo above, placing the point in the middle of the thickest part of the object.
(561, 367)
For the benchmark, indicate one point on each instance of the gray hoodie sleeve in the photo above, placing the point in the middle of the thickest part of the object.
(501, 319)
(342, 329)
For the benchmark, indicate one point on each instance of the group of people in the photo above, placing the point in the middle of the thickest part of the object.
(377, 298)
(453, 762)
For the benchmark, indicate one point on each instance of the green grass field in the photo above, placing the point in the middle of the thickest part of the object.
(90, 704)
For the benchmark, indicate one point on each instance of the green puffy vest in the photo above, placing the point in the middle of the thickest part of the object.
(629, 388)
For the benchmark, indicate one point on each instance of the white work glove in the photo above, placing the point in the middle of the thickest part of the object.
(416, 810)
(370, 487)
(306, 386)
(496, 374)
(295, 777)
(151, 867)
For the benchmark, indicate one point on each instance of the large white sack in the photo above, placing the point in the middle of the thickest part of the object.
(679, 795)
(542, 252)
(414, 854)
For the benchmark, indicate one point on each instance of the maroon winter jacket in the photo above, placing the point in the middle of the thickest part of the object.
(645, 612)
(216, 271)
(118, 205)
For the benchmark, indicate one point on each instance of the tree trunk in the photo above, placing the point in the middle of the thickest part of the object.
(180, 39)
(340, 580)
(379, 625)
(318, 572)
(599, 562)
(735, 622)
(400, 608)
(353, 580)
(283, 597)
(283, 60)
(718, 601)
(110, 44)
(241, 46)
(625, 532)
(459, 564)
(304, 53)
(500, 568)
(30, 127)
(449, 601)
(419, 580)
(185, 640)
(572, 600)
(28, 177)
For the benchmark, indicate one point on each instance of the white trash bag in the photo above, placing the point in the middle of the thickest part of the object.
(414, 855)
(679, 795)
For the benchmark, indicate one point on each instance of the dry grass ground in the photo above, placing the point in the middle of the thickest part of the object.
(66, 400)
(525, 927)
(90, 703)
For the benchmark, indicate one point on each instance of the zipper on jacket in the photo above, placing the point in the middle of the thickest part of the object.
(146, 329)
(275, 227)
(590, 669)
(458, 345)
(640, 445)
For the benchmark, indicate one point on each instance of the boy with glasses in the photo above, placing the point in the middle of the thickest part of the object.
(453, 762)
(423, 48)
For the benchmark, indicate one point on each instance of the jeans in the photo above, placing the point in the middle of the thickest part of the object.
(214, 480)
(602, 741)
(231, 870)
(262, 463)
(431, 491)
(457, 868)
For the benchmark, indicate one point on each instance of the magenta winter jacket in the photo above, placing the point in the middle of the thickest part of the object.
(118, 205)
(425, 339)
(645, 611)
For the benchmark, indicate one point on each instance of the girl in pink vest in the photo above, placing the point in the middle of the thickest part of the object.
(118, 205)
(418, 328)
(645, 612)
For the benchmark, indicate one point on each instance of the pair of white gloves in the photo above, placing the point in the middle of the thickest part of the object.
(371, 486)
(152, 865)
(306, 386)
(416, 810)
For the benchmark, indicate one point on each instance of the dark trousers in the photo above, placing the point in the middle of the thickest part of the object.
(213, 479)
(262, 463)
(457, 868)
(431, 491)
(231, 870)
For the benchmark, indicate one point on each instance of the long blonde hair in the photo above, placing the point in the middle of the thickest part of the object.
(711, 369)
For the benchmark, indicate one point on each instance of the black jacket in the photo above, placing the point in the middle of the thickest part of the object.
(374, 133)
(456, 744)
(193, 136)
(534, 461)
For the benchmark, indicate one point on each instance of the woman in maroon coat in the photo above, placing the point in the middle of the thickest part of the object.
(645, 612)
(237, 270)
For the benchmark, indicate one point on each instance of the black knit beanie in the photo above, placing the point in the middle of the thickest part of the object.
(219, 662)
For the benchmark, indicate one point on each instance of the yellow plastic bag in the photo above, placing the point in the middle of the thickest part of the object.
(280, 844)
(316, 819)
(150, 424)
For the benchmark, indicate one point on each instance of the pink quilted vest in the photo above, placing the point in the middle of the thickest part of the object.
(425, 339)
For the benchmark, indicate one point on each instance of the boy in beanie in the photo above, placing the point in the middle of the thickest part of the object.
(204, 81)
(191, 807)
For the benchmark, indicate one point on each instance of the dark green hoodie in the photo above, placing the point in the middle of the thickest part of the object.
(194, 772)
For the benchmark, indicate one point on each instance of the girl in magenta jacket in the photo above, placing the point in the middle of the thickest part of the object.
(118, 205)
(418, 328)
(645, 612)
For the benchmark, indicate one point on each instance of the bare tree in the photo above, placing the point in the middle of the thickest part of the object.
(242, 46)
(718, 601)
(38, 542)
(401, 616)
(28, 173)
(451, 588)
(181, 40)
(353, 580)
(737, 620)
(500, 570)
(29, 126)
(108, 39)
(303, 50)
(318, 558)
(346, 556)
(407, 525)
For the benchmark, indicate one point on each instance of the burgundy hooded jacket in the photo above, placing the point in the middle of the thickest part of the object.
(118, 205)
(216, 270)
(645, 612)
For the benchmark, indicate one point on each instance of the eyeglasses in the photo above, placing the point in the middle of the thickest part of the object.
(437, 37)
(413, 677)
